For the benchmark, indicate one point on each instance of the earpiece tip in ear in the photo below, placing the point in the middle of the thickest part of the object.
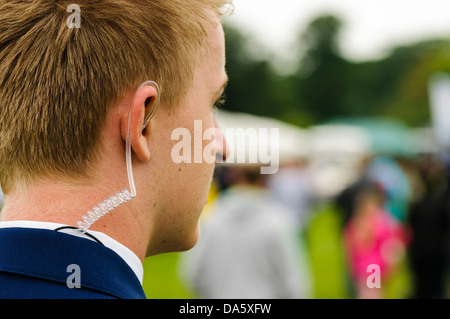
(148, 101)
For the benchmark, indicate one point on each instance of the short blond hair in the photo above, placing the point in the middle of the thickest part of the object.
(58, 83)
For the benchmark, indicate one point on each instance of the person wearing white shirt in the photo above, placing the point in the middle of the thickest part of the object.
(249, 248)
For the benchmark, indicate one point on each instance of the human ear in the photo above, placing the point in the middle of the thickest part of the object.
(137, 118)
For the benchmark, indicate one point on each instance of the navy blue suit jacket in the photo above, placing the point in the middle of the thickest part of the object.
(34, 265)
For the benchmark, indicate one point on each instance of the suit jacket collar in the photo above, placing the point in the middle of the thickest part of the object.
(46, 254)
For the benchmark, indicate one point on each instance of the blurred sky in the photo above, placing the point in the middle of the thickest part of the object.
(370, 29)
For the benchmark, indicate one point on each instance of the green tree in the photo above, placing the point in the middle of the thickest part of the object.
(323, 73)
(327, 85)
(255, 87)
(410, 97)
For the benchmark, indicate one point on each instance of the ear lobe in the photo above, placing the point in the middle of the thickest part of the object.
(135, 116)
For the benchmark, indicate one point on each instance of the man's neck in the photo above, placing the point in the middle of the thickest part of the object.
(63, 203)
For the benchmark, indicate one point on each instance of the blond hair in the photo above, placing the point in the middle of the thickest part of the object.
(58, 83)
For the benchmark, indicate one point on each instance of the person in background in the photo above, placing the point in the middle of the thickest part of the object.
(249, 246)
(372, 236)
(292, 186)
(387, 172)
(428, 220)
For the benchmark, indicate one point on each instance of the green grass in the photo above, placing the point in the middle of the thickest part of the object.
(326, 255)
(161, 280)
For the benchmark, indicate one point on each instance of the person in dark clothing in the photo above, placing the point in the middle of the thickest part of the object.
(428, 221)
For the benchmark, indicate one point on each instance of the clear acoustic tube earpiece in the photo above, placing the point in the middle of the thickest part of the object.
(124, 195)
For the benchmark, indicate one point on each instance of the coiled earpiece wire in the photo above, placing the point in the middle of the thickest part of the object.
(124, 195)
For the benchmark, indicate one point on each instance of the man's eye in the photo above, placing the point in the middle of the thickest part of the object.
(220, 102)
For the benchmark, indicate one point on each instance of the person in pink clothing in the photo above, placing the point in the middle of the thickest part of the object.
(372, 237)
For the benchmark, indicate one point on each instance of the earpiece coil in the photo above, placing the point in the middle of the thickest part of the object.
(125, 195)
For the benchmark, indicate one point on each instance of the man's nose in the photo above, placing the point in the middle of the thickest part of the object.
(220, 143)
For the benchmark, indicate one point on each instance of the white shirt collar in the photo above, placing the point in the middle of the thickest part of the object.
(127, 255)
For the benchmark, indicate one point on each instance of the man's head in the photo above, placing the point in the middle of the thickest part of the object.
(65, 93)
(57, 84)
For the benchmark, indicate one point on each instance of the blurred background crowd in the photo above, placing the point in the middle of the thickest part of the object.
(363, 177)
